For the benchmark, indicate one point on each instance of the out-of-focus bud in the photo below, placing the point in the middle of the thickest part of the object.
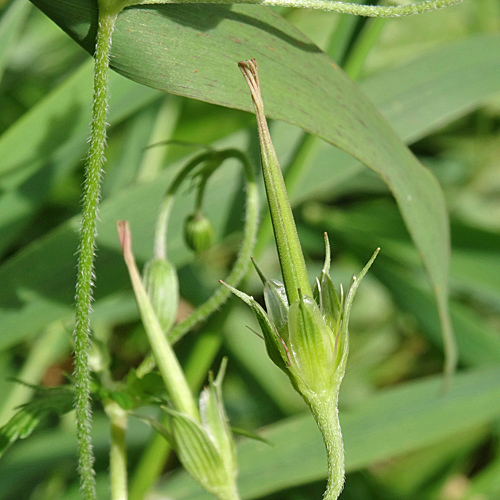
(206, 448)
(198, 232)
(162, 287)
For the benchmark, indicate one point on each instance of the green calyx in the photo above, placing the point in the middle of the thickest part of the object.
(305, 330)
(307, 339)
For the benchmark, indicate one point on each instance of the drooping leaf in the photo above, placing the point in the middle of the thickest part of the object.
(192, 51)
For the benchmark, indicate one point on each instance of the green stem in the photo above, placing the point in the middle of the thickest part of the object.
(240, 267)
(117, 454)
(364, 43)
(87, 249)
(330, 5)
(325, 411)
(290, 254)
(310, 145)
(166, 122)
(229, 494)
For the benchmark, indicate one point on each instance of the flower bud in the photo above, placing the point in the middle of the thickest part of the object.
(198, 232)
(162, 287)
(206, 448)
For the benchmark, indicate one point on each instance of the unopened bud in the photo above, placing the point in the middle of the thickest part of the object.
(198, 232)
(162, 287)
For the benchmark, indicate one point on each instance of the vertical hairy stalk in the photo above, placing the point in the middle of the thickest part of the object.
(325, 412)
(87, 251)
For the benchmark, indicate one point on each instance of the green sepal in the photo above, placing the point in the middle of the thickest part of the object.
(312, 347)
(276, 302)
(277, 306)
(324, 292)
(159, 428)
(250, 435)
(325, 295)
(344, 333)
(215, 421)
(162, 286)
(199, 454)
(275, 345)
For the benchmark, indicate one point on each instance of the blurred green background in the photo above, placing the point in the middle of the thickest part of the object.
(436, 79)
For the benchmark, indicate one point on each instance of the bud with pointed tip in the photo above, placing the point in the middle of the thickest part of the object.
(307, 339)
(205, 446)
(305, 331)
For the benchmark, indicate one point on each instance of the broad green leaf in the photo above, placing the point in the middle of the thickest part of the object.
(301, 85)
(417, 98)
(192, 51)
(27, 298)
(392, 423)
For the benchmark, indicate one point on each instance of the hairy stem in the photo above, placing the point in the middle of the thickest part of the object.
(324, 409)
(332, 6)
(242, 262)
(87, 249)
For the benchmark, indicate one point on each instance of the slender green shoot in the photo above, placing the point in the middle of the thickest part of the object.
(107, 18)
(331, 6)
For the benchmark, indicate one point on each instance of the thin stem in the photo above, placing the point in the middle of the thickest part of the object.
(290, 254)
(330, 5)
(118, 453)
(166, 122)
(364, 43)
(87, 249)
(242, 262)
(325, 411)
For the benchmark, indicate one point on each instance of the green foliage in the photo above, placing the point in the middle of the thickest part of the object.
(433, 78)
(44, 402)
